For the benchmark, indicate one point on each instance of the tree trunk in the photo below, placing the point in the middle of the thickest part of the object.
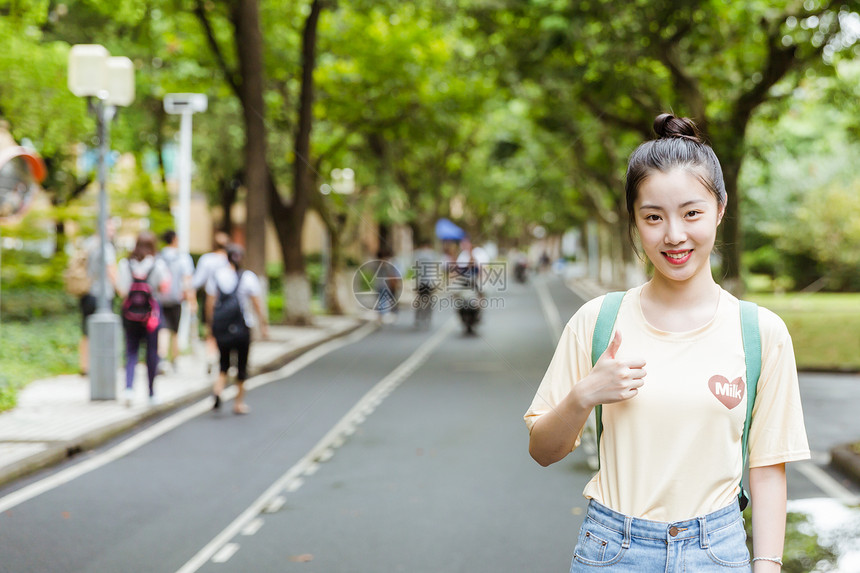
(249, 47)
(227, 197)
(289, 219)
(731, 158)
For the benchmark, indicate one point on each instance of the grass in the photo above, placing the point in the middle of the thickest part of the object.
(824, 327)
(36, 349)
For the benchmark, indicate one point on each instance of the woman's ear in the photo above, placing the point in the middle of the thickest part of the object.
(720, 212)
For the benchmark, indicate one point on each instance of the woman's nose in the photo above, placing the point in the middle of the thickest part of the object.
(675, 233)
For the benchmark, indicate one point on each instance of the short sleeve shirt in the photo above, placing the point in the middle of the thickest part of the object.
(208, 264)
(155, 269)
(674, 451)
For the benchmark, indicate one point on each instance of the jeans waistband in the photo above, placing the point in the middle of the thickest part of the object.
(663, 530)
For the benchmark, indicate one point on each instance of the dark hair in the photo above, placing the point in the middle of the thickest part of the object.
(221, 240)
(235, 255)
(678, 145)
(168, 236)
(144, 247)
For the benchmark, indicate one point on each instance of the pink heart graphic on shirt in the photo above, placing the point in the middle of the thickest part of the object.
(728, 393)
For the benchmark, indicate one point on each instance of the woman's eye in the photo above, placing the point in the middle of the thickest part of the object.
(692, 213)
(652, 217)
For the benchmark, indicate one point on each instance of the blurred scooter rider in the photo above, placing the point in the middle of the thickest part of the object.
(470, 263)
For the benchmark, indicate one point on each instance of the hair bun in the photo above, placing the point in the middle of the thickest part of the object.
(667, 125)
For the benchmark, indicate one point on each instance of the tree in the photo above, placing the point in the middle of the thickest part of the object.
(714, 61)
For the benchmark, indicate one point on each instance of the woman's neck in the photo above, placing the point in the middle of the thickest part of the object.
(680, 306)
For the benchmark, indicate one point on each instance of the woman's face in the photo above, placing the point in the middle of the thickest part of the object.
(677, 218)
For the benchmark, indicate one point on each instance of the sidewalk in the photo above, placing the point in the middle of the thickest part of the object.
(55, 417)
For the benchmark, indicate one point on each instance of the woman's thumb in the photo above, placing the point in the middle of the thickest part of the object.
(613, 347)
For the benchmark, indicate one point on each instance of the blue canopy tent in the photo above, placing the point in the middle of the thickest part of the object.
(448, 231)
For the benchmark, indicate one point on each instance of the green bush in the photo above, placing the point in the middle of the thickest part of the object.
(36, 349)
(19, 304)
(803, 552)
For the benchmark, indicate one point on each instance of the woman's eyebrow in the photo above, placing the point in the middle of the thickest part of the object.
(684, 204)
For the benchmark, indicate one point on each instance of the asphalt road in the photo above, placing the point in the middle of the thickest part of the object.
(402, 451)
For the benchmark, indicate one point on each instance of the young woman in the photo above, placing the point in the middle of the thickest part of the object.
(671, 386)
(246, 286)
(139, 323)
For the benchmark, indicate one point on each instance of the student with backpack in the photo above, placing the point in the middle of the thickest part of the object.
(181, 268)
(82, 279)
(685, 389)
(142, 278)
(234, 308)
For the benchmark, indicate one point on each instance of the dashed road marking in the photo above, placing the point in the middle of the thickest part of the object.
(294, 485)
(275, 504)
(550, 310)
(225, 553)
(321, 449)
(164, 426)
(253, 526)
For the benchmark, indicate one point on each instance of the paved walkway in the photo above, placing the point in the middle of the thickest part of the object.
(55, 417)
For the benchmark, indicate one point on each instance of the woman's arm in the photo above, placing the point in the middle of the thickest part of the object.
(768, 494)
(209, 309)
(258, 308)
(554, 433)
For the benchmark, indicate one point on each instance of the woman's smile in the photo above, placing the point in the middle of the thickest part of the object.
(678, 257)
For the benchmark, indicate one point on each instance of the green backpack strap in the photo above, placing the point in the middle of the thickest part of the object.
(752, 356)
(603, 330)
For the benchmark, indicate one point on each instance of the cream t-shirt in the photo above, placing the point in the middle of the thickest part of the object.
(673, 452)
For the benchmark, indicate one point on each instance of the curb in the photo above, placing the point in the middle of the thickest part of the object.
(844, 459)
(57, 452)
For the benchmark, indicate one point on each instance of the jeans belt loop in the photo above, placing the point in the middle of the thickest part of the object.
(628, 523)
(703, 532)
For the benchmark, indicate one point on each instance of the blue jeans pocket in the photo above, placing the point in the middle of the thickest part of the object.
(598, 545)
(727, 546)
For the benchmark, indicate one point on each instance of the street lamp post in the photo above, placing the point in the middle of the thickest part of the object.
(185, 106)
(110, 80)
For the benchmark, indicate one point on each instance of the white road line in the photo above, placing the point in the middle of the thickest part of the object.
(226, 553)
(294, 485)
(253, 527)
(550, 311)
(144, 437)
(321, 449)
(276, 504)
(825, 483)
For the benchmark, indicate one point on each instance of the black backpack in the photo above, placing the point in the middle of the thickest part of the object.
(228, 320)
(140, 307)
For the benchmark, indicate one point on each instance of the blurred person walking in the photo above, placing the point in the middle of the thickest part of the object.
(208, 264)
(181, 268)
(429, 276)
(673, 442)
(234, 309)
(142, 279)
(82, 279)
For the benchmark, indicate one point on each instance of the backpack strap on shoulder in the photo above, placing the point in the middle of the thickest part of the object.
(752, 355)
(603, 330)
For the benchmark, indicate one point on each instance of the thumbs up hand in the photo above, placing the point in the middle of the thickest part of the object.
(612, 380)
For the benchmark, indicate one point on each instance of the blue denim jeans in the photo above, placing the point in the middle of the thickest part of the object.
(715, 542)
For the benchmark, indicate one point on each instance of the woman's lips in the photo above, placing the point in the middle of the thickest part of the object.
(677, 257)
